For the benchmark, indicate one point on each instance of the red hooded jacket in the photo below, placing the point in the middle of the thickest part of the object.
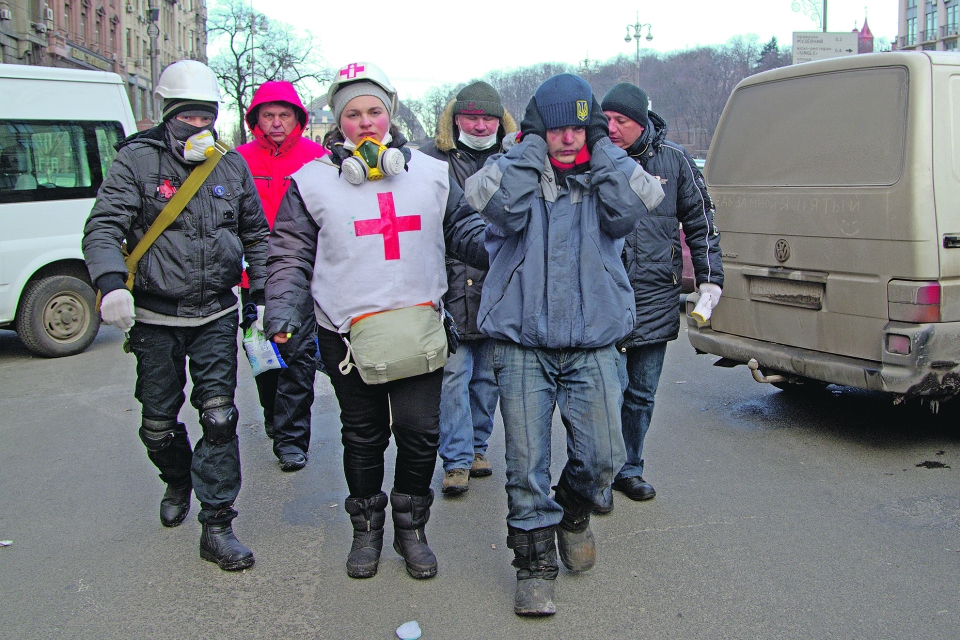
(272, 165)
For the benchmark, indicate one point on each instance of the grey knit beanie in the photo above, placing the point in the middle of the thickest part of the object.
(630, 100)
(350, 91)
(478, 99)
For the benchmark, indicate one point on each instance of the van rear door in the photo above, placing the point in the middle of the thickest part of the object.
(813, 176)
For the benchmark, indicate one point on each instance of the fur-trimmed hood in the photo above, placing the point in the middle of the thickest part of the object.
(447, 132)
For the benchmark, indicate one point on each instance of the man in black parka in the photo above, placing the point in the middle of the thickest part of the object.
(652, 256)
(470, 130)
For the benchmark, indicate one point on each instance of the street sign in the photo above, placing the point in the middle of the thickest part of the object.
(816, 45)
(153, 30)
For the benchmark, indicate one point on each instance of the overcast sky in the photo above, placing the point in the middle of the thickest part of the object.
(424, 43)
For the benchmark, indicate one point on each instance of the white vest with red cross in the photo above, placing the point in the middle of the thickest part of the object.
(380, 246)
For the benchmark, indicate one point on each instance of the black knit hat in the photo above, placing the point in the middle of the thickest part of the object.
(175, 106)
(630, 100)
(564, 101)
(478, 99)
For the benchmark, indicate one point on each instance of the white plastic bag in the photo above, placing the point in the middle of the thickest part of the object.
(262, 352)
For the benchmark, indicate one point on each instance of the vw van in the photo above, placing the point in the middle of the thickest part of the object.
(57, 131)
(837, 187)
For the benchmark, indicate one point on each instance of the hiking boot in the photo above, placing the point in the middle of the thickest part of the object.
(578, 549)
(175, 504)
(455, 482)
(219, 544)
(410, 516)
(535, 557)
(480, 467)
(367, 517)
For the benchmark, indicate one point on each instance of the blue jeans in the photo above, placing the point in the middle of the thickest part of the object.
(584, 384)
(640, 374)
(467, 403)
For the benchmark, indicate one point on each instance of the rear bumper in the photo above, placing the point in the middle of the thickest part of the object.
(931, 369)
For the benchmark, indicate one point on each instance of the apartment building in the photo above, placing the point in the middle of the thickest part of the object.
(109, 35)
(928, 25)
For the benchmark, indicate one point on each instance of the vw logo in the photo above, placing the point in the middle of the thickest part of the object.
(782, 250)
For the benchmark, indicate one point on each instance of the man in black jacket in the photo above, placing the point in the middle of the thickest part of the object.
(470, 130)
(182, 304)
(653, 260)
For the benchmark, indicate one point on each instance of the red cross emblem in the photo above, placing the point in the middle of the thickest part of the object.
(351, 71)
(389, 225)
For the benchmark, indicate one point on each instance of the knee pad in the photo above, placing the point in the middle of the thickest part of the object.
(218, 417)
(157, 434)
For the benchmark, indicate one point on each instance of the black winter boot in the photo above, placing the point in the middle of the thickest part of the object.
(219, 544)
(367, 516)
(578, 549)
(535, 557)
(175, 504)
(410, 515)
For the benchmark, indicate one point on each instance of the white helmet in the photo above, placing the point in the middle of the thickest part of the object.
(356, 71)
(188, 79)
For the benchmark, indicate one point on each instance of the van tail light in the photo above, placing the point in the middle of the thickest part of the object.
(898, 344)
(915, 302)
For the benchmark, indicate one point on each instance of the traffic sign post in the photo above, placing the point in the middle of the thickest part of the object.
(817, 45)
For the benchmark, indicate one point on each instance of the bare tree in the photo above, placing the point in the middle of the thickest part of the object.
(254, 50)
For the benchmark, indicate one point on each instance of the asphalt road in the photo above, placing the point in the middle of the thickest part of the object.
(776, 517)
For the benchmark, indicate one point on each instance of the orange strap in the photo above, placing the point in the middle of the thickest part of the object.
(367, 315)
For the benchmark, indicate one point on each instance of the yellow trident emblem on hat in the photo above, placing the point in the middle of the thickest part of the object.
(582, 110)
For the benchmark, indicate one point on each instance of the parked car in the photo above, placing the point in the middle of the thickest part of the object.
(836, 185)
(57, 131)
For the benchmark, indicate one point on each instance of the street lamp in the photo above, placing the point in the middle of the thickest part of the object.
(588, 66)
(637, 28)
(816, 9)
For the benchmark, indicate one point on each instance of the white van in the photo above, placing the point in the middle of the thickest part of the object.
(57, 131)
(837, 187)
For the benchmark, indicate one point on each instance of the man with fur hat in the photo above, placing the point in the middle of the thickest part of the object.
(557, 299)
(276, 119)
(653, 260)
(182, 305)
(470, 130)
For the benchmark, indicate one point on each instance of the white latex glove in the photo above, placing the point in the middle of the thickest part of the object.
(116, 308)
(714, 291)
(258, 324)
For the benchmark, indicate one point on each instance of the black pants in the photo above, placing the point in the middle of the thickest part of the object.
(162, 354)
(286, 395)
(365, 413)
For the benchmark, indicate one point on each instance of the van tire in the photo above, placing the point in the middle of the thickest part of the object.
(56, 316)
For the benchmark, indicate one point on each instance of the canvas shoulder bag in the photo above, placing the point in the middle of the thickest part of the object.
(392, 345)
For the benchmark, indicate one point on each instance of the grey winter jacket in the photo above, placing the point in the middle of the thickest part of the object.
(190, 270)
(556, 279)
(652, 252)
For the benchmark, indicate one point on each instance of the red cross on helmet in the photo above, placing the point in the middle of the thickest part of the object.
(357, 71)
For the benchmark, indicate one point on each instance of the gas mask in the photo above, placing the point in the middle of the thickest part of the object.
(372, 161)
(199, 146)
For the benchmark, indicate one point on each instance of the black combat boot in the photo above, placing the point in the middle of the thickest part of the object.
(410, 515)
(175, 504)
(578, 550)
(367, 516)
(219, 544)
(535, 557)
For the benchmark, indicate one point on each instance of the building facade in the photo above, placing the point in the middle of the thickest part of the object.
(928, 25)
(106, 35)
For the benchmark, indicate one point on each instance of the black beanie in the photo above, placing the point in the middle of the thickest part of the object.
(175, 106)
(564, 101)
(478, 99)
(630, 100)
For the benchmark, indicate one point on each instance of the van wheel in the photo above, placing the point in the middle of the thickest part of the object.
(56, 316)
(801, 386)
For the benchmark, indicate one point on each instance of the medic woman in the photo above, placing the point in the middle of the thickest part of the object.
(365, 230)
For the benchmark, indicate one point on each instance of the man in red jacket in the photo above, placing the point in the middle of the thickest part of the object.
(277, 118)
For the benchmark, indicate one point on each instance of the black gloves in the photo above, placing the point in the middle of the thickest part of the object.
(532, 123)
(597, 126)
